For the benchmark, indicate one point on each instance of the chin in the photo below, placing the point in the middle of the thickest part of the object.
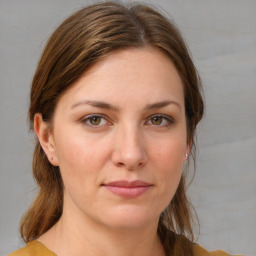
(130, 218)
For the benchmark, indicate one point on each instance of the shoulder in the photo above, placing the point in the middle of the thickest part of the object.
(20, 252)
(33, 248)
(197, 250)
(200, 251)
(191, 248)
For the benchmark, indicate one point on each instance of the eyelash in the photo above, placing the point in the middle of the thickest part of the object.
(165, 118)
(86, 119)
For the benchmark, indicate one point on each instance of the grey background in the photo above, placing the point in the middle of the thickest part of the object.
(222, 38)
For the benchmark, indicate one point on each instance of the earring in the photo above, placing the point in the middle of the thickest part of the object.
(186, 156)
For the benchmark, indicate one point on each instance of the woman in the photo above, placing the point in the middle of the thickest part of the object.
(115, 102)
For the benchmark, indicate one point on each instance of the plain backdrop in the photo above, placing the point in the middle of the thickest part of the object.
(221, 35)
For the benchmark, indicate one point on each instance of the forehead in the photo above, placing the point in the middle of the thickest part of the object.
(131, 76)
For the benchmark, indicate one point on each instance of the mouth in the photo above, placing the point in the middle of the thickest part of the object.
(128, 189)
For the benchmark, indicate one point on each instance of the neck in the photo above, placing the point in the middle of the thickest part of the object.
(72, 237)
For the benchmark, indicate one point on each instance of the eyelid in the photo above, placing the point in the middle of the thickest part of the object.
(168, 118)
(84, 120)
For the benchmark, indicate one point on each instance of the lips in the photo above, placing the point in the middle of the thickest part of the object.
(128, 189)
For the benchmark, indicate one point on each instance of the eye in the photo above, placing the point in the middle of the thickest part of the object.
(94, 121)
(156, 120)
(160, 120)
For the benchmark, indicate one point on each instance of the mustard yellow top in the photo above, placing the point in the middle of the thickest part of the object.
(35, 248)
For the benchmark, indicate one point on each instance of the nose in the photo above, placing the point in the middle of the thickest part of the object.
(129, 149)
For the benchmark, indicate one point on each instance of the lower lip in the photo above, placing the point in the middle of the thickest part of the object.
(128, 192)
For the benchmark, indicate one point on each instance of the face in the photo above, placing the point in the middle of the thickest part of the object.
(119, 138)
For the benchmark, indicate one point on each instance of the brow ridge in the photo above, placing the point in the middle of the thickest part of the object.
(162, 104)
(97, 104)
(105, 105)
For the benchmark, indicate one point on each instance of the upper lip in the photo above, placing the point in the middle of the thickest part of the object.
(128, 184)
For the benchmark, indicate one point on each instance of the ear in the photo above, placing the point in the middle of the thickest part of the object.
(45, 137)
(188, 150)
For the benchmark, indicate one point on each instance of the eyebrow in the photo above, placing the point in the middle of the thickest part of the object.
(97, 104)
(162, 104)
(105, 105)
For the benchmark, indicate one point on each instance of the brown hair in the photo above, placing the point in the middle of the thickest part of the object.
(79, 42)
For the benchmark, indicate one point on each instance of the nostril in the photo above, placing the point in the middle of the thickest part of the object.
(120, 164)
(129, 158)
(130, 168)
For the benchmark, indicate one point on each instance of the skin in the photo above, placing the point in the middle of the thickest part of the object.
(127, 144)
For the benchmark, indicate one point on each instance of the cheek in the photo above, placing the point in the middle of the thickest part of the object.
(82, 158)
(169, 160)
(170, 152)
(79, 151)
(80, 161)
